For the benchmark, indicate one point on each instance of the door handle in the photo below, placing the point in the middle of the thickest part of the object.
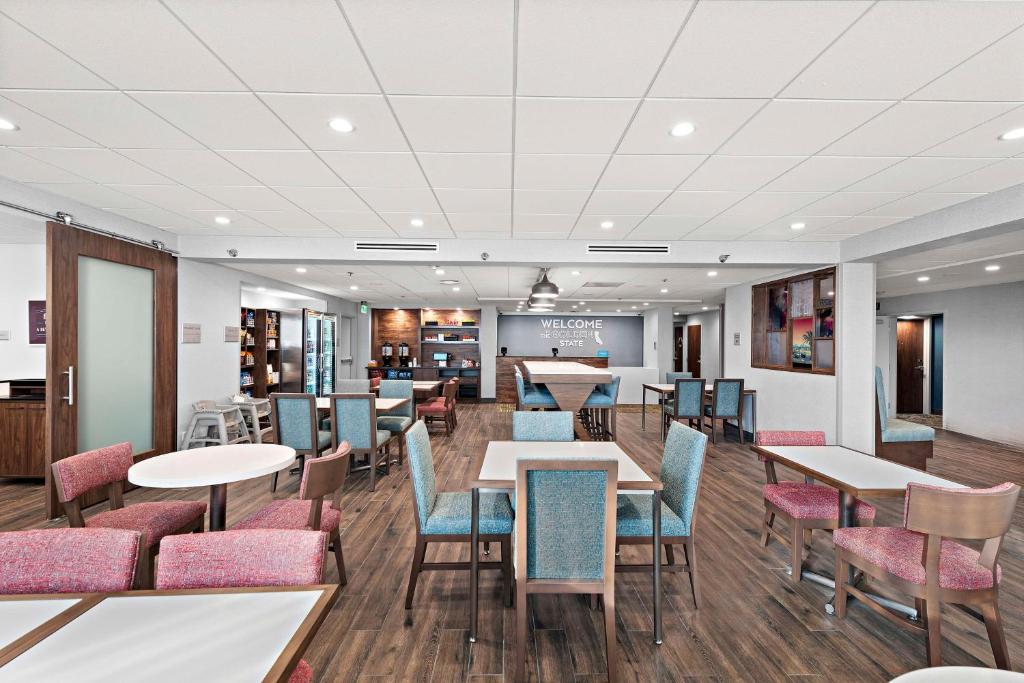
(70, 398)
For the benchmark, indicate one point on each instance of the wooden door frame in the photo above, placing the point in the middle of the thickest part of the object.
(700, 356)
(64, 244)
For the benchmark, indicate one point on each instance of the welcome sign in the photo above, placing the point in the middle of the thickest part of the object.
(574, 336)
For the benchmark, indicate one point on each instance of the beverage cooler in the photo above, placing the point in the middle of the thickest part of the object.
(319, 332)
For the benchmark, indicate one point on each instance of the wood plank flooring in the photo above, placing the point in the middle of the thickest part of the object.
(754, 625)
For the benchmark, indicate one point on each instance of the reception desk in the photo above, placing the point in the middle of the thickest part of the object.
(505, 374)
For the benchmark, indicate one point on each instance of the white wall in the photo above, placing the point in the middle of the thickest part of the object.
(983, 356)
(855, 356)
(22, 278)
(488, 350)
(885, 357)
(710, 331)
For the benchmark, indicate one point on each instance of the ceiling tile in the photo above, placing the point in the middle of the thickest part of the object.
(858, 225)
(648, 171)
(698, 203)
(170, 197)
(287, 220)
(570, 126)
(767, 206)
(239, 222)
(781, 229)
(543, 222)
(724, 228)
(284, 168)
(190, 166)
(323, 198)
(479, 222)
(93, 194)
(992, 178)
(625, 202)
(502, 234)
(160, 218)
(400, 200)
(549, 201)
(437, 47)
(353, 221)
(921, 203)
(34, 130)
(98, 165)
(27, 61)
(309, 115)
(925, 39)
(714, 120)
(474, 201)
(779, 38)
(738, 173)
(456, 124)
(800, 126)
(26, 169)
(983, 140)
(591, 223)
(667, 227)
(850, 203)
(434, 224)
(313, 50)
(917, 173)
(580, 48)
(135, 45)
(368, 169)
(471, 171)
(829, 174)
(995, 74)
(822, 237)
(558, 171)
(246, 198)
(222, 120)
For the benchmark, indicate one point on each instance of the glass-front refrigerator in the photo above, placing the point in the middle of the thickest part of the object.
(318, 334)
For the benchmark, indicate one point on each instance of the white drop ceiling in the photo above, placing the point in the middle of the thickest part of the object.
(503, 119)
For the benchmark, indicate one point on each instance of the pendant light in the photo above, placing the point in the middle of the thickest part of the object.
(545, 289)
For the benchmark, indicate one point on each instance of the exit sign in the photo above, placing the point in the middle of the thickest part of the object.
(364, 308)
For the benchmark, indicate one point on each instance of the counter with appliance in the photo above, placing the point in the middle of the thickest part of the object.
(469, 377)
(23, 428)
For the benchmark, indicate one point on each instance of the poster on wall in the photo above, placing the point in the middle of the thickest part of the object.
(36, 322)
(620, 337)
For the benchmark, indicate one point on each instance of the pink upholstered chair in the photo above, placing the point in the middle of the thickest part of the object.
(240, 559)
(320, 477)
(108, 466)
(68, 560)
(922, 559)
(803, 506)
(441, 407)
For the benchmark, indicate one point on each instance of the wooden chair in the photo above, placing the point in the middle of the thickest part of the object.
(68, 560)
(681, 468)
(398, 420)
(726, 404)
(321, 477)
(354, 420)
(295, 425)
(108, 466)
(687, 403)
(440, 408)
(922, 559)
(576, 555)
(804, 506)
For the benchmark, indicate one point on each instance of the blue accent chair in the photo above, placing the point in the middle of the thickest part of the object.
(726, 404)
(534, 397)
(599, 410)
(294, 419)
(528, 425)
(346, 386)
(564, 538)
(687, 403)
(445, 517)
(354, 417)
(398, 420)
(898, 440)
(681, 469)
(671, 377)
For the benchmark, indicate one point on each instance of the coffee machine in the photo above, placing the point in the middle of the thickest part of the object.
(403, 355)
(386, 352)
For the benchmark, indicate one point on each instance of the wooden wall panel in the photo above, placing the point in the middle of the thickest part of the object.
(396, 327)
(505, 380)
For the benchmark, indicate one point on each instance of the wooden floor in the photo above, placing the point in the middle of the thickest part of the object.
(753, 625)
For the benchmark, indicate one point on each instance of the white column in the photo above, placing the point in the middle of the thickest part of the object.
(488, 350)
(855, 356)
(362, 352)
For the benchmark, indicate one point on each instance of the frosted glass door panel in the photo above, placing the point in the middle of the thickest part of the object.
(114, 376)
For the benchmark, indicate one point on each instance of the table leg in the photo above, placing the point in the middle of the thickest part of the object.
(474, 562)
(656, 560)
(643, 409)
(218, 506)
(661, 414)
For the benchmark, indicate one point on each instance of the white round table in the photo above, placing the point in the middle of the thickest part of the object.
(959, 674)
(213, 466)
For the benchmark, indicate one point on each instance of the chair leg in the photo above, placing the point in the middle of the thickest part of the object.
(690, 550)
(670, 554)
(487, 547)
(506, 569)
(339, 557)
(934, 642)
(996, 637)
(840, 598)
(414, 573)
(522, 632)
(609, 631)
(797, 550)
(373, 470)
(769, 520)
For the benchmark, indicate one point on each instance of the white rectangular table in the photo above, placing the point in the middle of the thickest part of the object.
(21, 615)
(665, 390)
(496, 472)
(241, 634)
(570, 384)
(382, 405)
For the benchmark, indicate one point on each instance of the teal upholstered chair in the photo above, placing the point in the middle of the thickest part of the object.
(398, 420)
(354, 417)
(671, 377)
(726, 404)
(346, 386)
(565, 538)
(445, 517)
(534, 397)
(899, 440)
(599, 410)
(294, 419)
(681, 467)
(554, 425)
(687, 403)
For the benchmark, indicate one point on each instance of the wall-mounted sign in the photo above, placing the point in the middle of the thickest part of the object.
(232, 334)
(621, 337)
(191, 333)
(736, 339)
(36, 322)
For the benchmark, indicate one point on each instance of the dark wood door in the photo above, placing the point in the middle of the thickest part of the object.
(65, 249)
(693, 350)
(677, 346)
(909, 366)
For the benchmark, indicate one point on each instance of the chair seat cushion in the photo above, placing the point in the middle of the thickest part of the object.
(634, 517)
(323, 439)
(303, 673)
(539, 396)
(154, 520)
(451, 513)
(899, 550)
(290, 514)
(394, 423)
(432, 408)
(382, 436)
(811, 501)
(598, 399)
(897, 431)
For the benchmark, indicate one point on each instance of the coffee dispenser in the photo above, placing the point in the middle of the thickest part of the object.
(403, 355)
(386, 352)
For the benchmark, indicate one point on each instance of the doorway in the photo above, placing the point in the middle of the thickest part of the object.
(910, 366)
(677, 343)
(693, 350)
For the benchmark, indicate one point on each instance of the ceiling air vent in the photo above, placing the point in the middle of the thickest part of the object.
(625, 248)
(397, 246)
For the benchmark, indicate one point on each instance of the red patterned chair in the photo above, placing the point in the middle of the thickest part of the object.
(803, 506)
(108, 466)
(922, 559)
(240, 559)
(68, 560)
(320, 477)
(441, 407)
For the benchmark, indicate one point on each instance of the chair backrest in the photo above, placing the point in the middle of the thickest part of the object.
(451, 391)
(352, 386)
(354, 419)
(565, 527)
(421, 466)
(883, 407)
(681, 467)
(790, 437)
(530, 425)
(398, 388)
(294, 418)
(727, 398)
(242, 558)
(323, 476)
(520, 386)
(611, 388)
(205, 404)
(78, 474)
(98, 560)
(688, 399)
(671, 377)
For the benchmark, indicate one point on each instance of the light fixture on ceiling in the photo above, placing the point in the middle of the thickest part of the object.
(449, 282)
(831, 294)
(675, 312)
(8, 125)
(588, 310)
(353, 287)
(221, 220)
(416, 222)
(993, 268)
(682, 129)
(923, 278)
(575, 306)
(521, 303)
(261, 289)
(633, 307)
(341, 125)
(456, 289)
(712, 273)
(1015, 134)
(618, 310)
(664, 290)
(536, 302)
(582, 302)
(646, 304)
(798, 226)
(300, 270)
(438, 271)
(545, 289)
(575, 272)
(607, 225)
(703, 308)
(395, 308)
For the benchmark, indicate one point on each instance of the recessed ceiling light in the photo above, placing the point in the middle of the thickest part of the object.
(341, 125)
(7, 125)
(456, 289)
(664, 290)
(646, 304)
(712, 273)
(633, 307)
(221, 220)
(588, 310)
(353, 287)
(1015, 134)
(618, 310)
(798, 226)
(575, 272)
(300, 270)
(395, 308)
(575, 306)
(993, 268)
(703, 308)
(831, 294)
(416, 222)
(261, 289)
(607, 225)
(439, 271)
(675, 312)
(923, 278)
(521, 303)
(582, 302)
(682, 129)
